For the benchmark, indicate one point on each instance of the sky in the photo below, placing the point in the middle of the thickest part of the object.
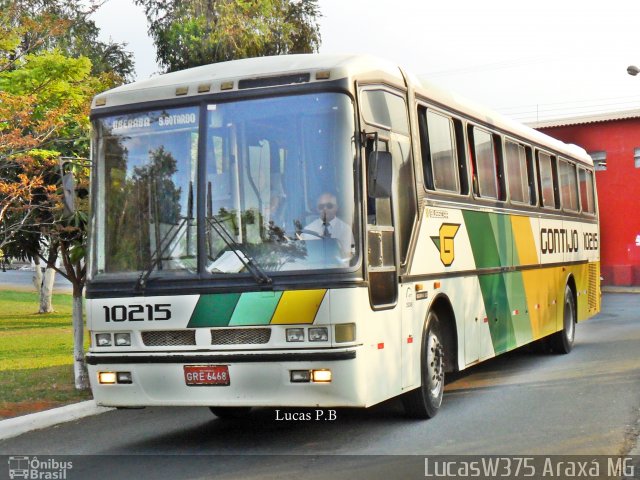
(534, 60)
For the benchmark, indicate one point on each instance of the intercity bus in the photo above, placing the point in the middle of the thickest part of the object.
(324, 231)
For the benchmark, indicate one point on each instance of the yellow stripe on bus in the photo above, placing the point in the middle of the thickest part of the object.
(298, 306)
(525, 244)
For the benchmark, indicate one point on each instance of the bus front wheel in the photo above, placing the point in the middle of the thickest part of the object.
(424, 401)
(562, 341)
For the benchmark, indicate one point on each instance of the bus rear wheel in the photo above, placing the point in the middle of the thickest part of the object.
(562, 341)
(424, 401)
(231, 413)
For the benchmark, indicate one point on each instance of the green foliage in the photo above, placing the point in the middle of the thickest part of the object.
(35, 354)
(44, 102)
(69, 29)
(193, 33)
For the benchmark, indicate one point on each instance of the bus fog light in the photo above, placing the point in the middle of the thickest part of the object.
(295, 335)
(300, 376)
(107, 377)
(103, 339)
(345, 332)
(321, 376)
(124, 377)
(123, 339)
(319, 334)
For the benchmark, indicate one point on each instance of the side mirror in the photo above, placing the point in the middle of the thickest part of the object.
(379, 174)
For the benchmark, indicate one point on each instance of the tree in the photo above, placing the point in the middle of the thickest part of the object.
(192, 33)
(44, 105)
(65, 25)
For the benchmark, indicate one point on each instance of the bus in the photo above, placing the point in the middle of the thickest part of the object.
(323, 231)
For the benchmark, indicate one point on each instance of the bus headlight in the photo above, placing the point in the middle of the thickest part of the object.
(321, 376)
(123, 339)
(319, 334)
(103, 339)
(295, 334)
(107, 378)
(124, 377)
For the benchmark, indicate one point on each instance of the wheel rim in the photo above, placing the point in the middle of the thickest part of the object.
(435, 365)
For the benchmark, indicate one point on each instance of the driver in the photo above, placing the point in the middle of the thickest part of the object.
(328, 225)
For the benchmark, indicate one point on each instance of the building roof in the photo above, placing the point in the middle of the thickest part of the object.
(584, 119)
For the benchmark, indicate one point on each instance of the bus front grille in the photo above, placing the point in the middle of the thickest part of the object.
(170, 338)
(235, 336)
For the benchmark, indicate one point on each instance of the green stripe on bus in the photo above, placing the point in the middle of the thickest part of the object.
(520, 319)
(214, 310)
(496, 304)
(503, 235)
(255, 308)
(481, 236)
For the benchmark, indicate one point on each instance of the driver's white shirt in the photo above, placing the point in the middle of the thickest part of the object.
(338, 230)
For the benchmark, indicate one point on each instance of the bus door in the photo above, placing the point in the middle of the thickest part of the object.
(390, 217)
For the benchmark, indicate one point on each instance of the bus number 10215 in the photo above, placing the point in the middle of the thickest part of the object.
(137, 313)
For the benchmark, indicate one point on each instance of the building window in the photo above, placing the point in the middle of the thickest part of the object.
(636, 157)
(599, 160)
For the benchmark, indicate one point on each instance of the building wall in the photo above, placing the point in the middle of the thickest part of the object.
(618, 193)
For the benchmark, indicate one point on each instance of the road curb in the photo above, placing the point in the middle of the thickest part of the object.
(13, 427)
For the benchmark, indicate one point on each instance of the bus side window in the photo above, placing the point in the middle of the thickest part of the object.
(518, 162)
(586, 191)
(440, 164)
(487, 163)
(547, 181)
(569, 185)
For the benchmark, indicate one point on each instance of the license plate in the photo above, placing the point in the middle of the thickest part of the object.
(195, 375)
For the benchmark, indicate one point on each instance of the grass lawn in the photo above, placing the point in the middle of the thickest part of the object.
(36, 355)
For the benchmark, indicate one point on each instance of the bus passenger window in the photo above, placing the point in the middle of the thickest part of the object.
(486, 164)
(547, 190)
(439, 153)
(586, 191)
(568, 185)
(518, 171)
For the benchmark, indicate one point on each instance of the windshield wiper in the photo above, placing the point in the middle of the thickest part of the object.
(256, 271)
(159, 253)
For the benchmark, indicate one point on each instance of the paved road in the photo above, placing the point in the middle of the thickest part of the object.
(523, 403)
(22, 280)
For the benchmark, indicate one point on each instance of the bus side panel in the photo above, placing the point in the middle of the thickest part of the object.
(380, 334)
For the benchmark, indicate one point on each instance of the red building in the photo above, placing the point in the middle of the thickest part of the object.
(613, 141)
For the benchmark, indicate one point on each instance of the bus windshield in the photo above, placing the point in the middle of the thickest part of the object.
(274, 178)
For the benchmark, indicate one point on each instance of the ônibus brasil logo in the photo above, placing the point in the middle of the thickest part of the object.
(33, 468)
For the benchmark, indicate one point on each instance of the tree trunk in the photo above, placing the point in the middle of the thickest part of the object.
(46, 291)
(79, 365)
(37, 276)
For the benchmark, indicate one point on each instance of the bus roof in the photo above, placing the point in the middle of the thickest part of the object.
(469, 108)
(222, 76)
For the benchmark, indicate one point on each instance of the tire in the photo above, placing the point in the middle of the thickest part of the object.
(424, 402)
(562, 341)
(230, 413)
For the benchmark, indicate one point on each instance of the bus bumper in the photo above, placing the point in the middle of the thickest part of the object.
(255, 380)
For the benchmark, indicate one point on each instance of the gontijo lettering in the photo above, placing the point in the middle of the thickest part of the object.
(558, 240)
